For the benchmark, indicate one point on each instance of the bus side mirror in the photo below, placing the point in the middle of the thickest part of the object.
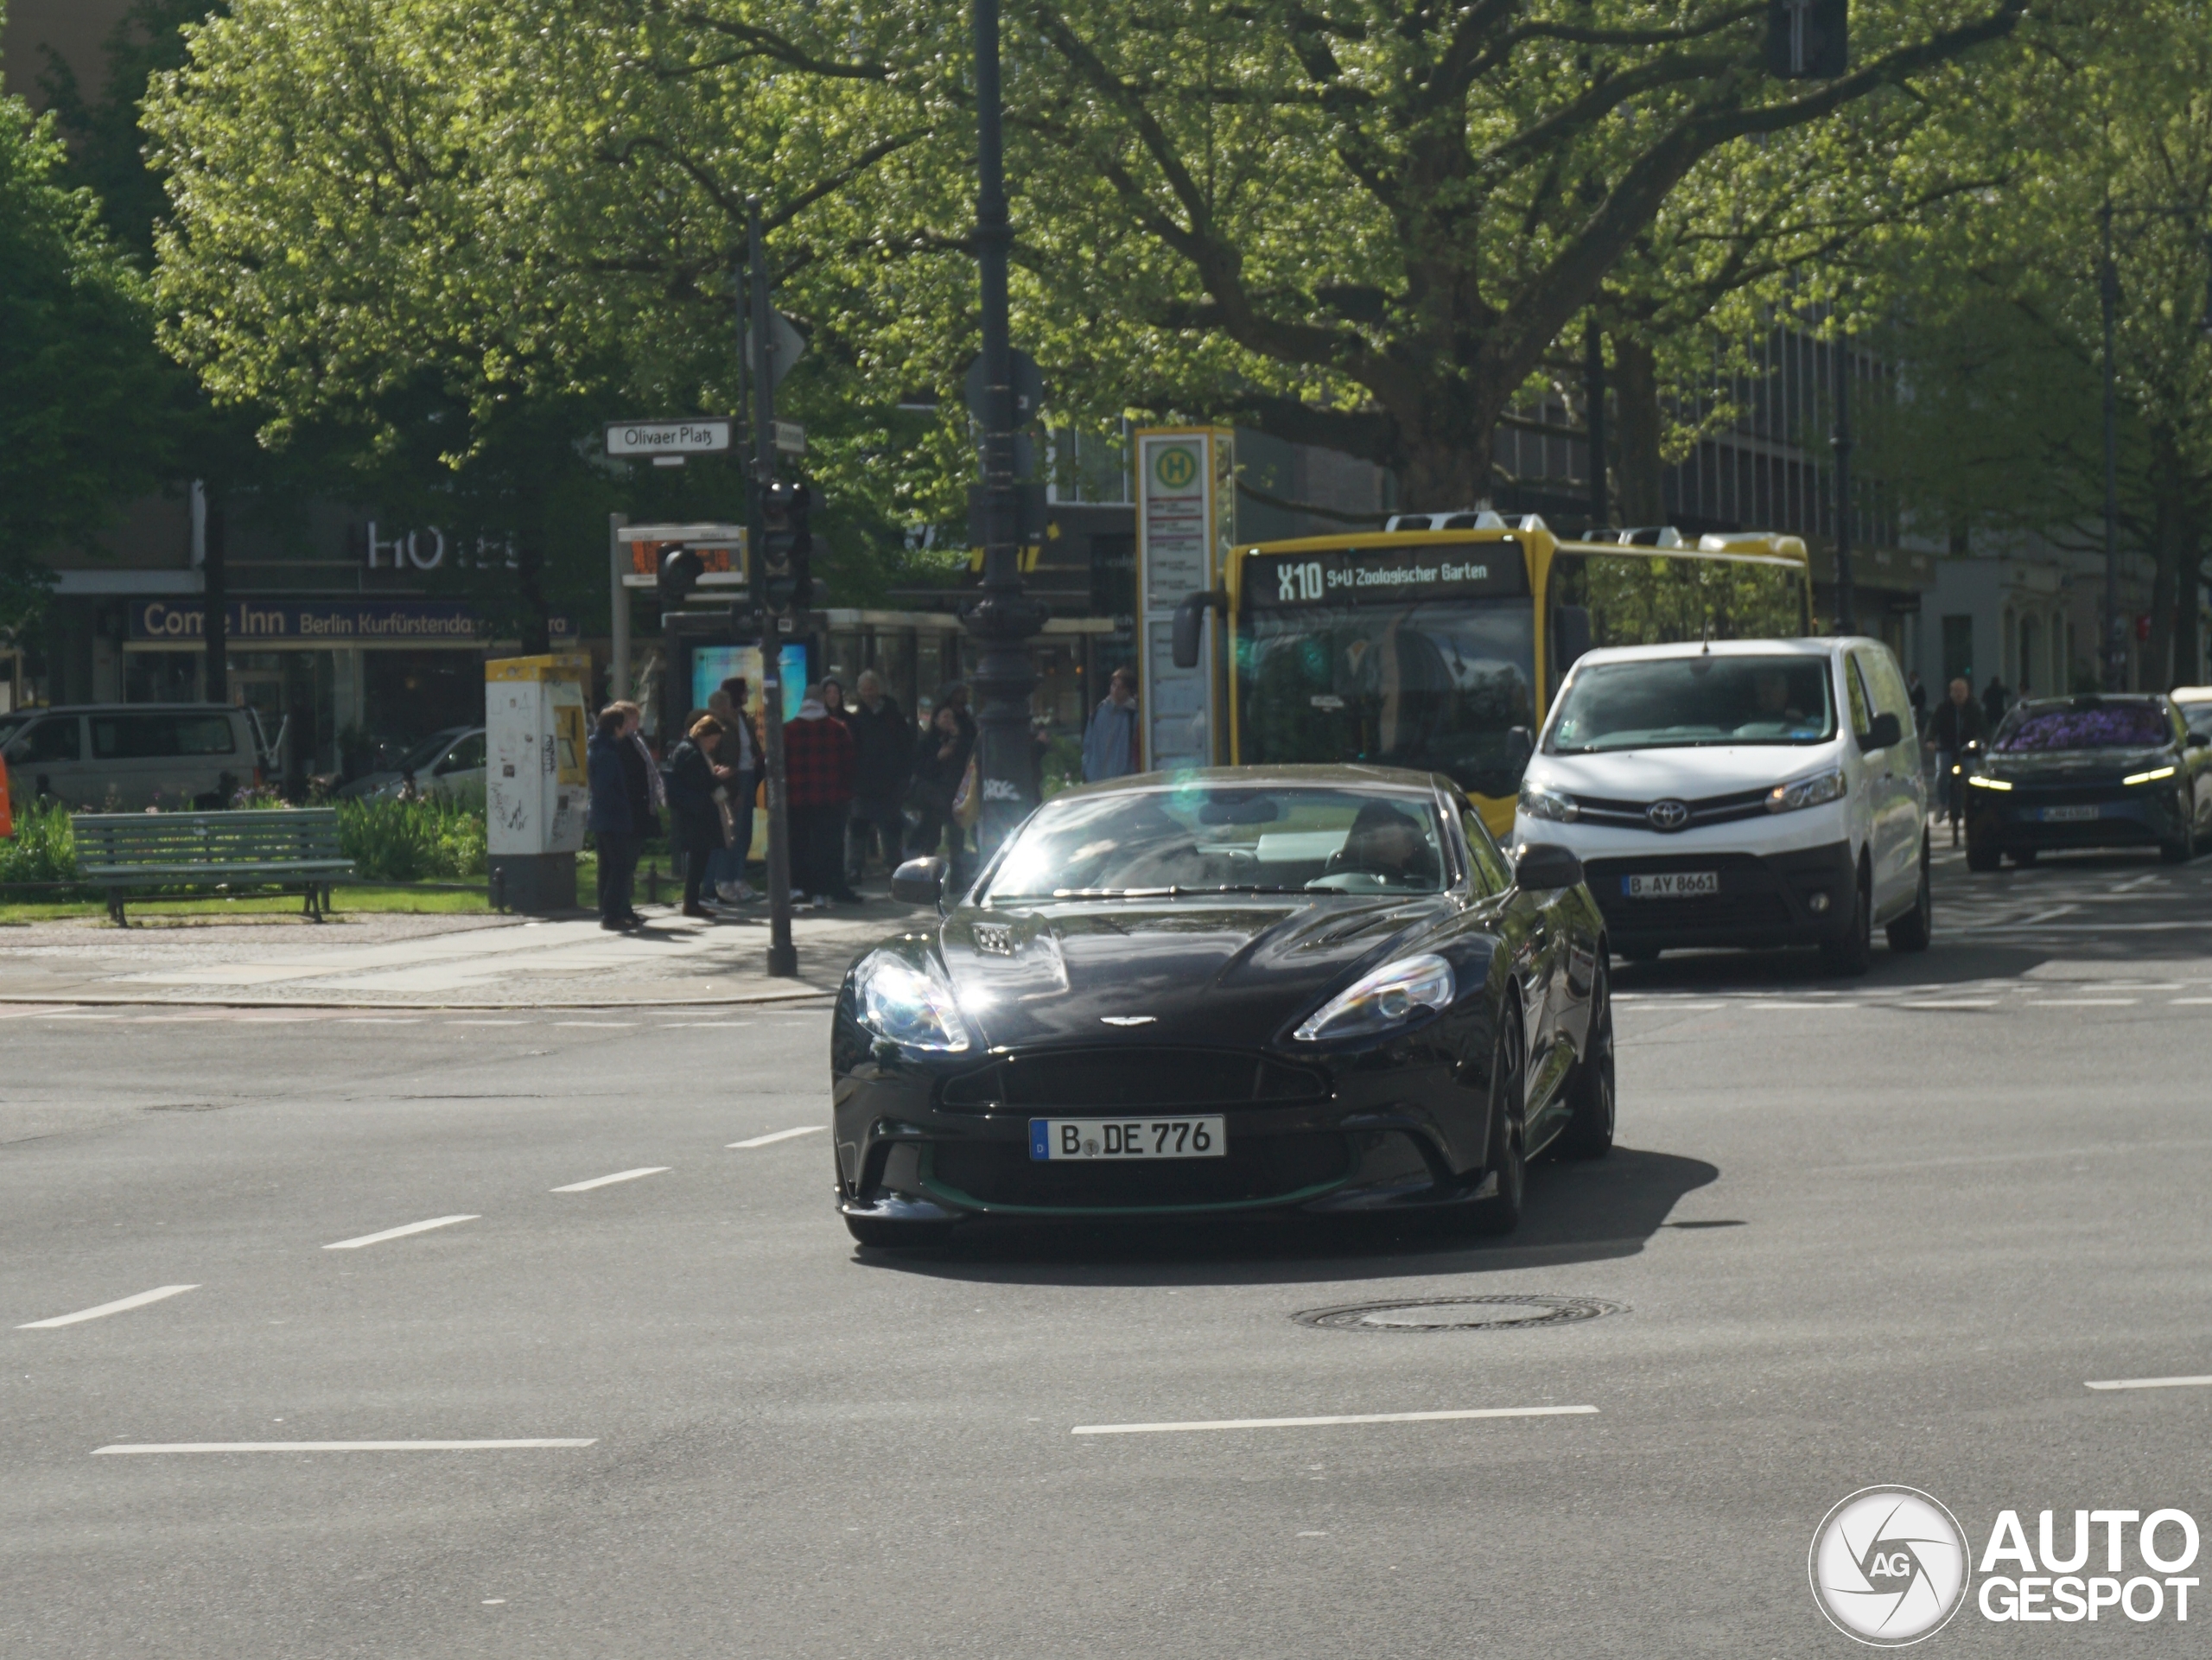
(1570, 630)
(1191, 623)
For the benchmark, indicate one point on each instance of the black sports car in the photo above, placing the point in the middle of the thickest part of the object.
(1316, 989)
(2109, 771)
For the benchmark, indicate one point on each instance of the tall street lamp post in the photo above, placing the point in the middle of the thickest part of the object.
(2115, 663)
(1847, 601)
(1003, 620)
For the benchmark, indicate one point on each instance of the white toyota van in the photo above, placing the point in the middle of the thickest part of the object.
(1756, 792)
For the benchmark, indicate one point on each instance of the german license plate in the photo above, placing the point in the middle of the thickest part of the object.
(1675, 884)
(1128, 1138)
(2069, 815)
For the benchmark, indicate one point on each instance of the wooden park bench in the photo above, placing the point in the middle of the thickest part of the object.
(297, 848)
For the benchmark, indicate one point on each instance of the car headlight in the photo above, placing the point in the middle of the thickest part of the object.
(906, 1004)
(2151, 777)
(1814, 791)
(1980, 782)
(1389, 997)
(1549, 803)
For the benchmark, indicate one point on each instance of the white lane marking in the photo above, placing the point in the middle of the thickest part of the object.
(600, 1025)
(690, 1025)
(1953, 1002)
(1783, 1005)
(26, 1014)
(2082, 1003)
(85, 1017)
(333, 1446)
(377, 1020)
(487, 1022)
(778, 1136)
(620, 1175)
(2192, 999)
(119, 1306)
(400, 1233)
(2152, 1383)
(1343, 1418)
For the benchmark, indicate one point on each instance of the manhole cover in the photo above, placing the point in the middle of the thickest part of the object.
(1458, 1314)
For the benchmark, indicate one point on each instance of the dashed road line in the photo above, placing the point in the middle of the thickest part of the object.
(778, 1136)
(121, 1304)
(337, 1447)
(2152, 1383)
(620, 1175)
(1339, 1418)
(400, 1233)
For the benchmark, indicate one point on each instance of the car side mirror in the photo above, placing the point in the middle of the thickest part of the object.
(920, 882)
(1881, 732)
(2198, 740)
(1547, 865)
(1191, 625)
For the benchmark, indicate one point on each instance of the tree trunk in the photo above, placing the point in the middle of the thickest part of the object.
(1639, 484)
(537, 616)
(2171, 534)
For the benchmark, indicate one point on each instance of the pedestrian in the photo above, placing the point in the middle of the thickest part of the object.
(833, 698)
(819, 793)
(640, 775)
(1956, 723)
(1918, 696)
(883, 759)
(696, 807)
(1994, 700)
(955, 696)
(1109, 742)
(741, 775)
(610, 822)
(940, 766)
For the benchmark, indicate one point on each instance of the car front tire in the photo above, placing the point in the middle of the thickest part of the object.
(1589, 1132)
(2180, 852)
(1854, 952)
(1507, 1156)
(1912, 930)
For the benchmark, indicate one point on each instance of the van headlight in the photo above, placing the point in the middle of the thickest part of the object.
(1540, 803)
(912, 1006)
(1814, 791)
(1389, 997)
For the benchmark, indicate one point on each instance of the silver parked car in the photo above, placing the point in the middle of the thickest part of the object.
(449, 764)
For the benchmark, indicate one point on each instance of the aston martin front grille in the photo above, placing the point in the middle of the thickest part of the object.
(1155, 1080)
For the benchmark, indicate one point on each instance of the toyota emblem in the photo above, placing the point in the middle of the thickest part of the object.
(1667, 815)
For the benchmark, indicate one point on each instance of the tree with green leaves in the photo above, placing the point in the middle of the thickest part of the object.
(82, 395)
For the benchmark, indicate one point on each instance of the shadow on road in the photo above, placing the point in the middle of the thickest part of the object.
(1574, 1213)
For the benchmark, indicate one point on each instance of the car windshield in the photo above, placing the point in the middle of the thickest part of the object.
(427, 751)
(1225, 839)
(2085, 726)
(1671, 701)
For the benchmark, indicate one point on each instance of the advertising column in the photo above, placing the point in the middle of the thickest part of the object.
(536, 792)
(1183, 489)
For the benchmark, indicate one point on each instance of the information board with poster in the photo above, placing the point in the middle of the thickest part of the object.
(1186, 510)
(536, 792)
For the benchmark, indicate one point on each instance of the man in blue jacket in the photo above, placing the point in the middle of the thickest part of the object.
(1109, 742)
(610, 821)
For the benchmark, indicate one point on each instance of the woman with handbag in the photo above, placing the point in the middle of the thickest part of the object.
(698, 811)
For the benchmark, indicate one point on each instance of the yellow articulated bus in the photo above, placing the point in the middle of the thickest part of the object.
(1440, 648)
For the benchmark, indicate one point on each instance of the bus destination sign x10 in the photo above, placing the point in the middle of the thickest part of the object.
(1449, 570)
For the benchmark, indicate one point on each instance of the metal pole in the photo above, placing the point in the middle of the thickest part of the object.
(1846, 608)
(617, 565)
(1594, 391)
(783, 956)
(215, 603)
(1003, 620)
(2115, 663)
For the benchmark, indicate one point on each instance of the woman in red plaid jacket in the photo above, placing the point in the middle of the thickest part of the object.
(818, 775)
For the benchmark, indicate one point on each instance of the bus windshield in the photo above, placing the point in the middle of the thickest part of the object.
(1436, 684)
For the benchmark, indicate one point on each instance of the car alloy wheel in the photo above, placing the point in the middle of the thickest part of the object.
(1589, 1132)
(1507, 1158)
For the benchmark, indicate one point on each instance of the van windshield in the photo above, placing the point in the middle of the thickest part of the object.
(1688, 701)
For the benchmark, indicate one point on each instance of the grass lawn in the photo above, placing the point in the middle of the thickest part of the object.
(175, 912)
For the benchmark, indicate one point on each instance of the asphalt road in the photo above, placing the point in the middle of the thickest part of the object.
(1873, 1231)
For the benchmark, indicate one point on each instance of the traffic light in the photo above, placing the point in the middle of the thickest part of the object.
(786, 549)
(679, 574)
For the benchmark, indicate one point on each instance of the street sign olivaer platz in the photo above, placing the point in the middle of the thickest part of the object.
(1443, 570)
(700, 435)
